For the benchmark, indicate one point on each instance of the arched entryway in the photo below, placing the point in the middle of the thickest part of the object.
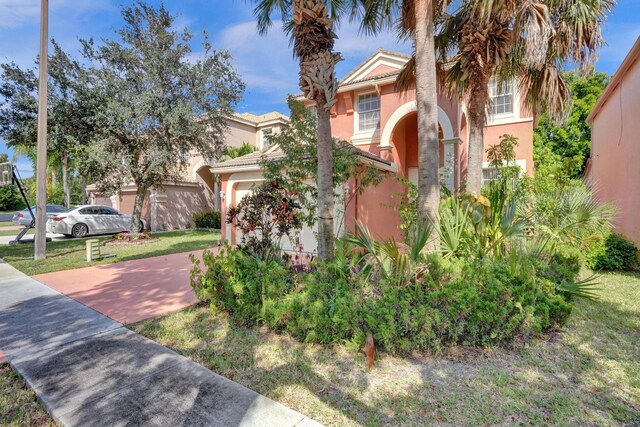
(400, 136)
(207, 182)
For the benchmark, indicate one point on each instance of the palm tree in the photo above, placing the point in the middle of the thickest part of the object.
(310, 23)
(416, 22)
(576, 37)
(526, 41)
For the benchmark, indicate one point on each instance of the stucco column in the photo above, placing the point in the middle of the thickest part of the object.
(115, 201)
(155, 200)
(450, 162)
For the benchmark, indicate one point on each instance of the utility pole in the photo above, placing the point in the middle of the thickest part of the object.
(41, 164)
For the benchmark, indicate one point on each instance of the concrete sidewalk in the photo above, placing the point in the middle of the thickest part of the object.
(89, 370)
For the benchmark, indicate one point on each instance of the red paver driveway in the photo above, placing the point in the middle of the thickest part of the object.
(129, 291)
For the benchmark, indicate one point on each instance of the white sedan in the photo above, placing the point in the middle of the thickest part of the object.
(82, 221)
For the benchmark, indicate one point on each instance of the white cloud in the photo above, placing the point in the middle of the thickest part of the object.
(16, 13)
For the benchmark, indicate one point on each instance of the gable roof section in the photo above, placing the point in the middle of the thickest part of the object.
(251, 161)
(257, 121)
(616, 80)
(379, 57)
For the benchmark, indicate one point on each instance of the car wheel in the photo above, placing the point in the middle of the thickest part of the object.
(79, 230)
(141, 227)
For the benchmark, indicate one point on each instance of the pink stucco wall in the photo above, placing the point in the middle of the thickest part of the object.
(615, 152)
(376, 208)
(523, 131)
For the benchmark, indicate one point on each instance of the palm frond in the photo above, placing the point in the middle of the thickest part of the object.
(586, 288)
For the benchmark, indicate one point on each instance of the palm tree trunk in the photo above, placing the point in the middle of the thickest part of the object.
(314, 41)
(325, 184)
(65, 180)
(476, 144)
(427, 99)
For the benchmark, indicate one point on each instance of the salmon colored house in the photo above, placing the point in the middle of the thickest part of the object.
(382, 123)
(614, 167)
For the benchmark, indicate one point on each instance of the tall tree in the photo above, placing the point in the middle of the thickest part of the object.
(569, 143)
(526, 42)
(415, 19)
(311, 23)
(161, 104)
(69, 112)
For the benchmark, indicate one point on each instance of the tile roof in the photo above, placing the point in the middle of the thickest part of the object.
(254, 158)
(274, 115)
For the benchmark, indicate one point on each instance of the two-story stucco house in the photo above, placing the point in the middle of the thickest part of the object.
(615, 145)
(173, 206)
(382, 123)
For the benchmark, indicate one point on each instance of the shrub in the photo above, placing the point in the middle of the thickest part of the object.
(207, 220)
(10, 199)
(239, 283)
(265, 216)
(612, 253)
(457, 301)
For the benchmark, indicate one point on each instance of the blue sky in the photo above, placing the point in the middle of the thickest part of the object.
(265, 62)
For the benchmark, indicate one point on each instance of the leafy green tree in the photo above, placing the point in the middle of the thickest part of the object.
(4, 157)
(563, 149)
(70, 111)
(298, 164)
(161, 104)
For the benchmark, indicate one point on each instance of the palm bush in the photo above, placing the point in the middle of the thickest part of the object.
(570, 216)
(481, 226)
(396, 263)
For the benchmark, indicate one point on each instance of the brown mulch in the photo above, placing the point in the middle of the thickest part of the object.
(116, 242)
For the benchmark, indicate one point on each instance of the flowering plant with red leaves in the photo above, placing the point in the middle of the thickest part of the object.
(265, 216)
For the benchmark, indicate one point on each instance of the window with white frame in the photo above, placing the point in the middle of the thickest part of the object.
(501, 98)
(264, 137)
(489, 174)
(368, 112)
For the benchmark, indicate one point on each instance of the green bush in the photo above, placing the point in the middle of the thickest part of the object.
(207, 220)
(469, 302)
(614, 252)
(239, 283)
(10, 199)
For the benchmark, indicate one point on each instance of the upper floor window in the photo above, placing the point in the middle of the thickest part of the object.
(501, 97)
(264, 137)
(368, 112)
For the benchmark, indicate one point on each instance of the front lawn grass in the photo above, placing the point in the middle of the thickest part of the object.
(6, 223)
(65, 255)
(18, 404)
(586, 374)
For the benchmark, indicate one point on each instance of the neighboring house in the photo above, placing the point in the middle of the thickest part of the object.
(615, 145)
(382, 122)
(172, 207)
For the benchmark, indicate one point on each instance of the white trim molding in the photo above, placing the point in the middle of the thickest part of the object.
(410, 107)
